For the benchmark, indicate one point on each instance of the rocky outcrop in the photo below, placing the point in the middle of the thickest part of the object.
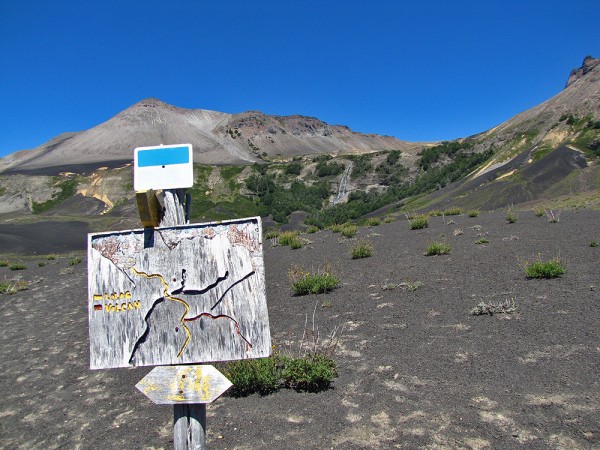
(588, 65)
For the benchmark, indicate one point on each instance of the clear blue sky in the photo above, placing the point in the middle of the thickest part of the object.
(420, 71)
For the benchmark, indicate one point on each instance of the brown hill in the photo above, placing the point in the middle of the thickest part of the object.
(217, 138)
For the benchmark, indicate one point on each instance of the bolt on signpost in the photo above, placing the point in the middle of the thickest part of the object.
(175, 295)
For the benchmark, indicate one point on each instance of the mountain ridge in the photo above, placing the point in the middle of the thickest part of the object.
(217, 138)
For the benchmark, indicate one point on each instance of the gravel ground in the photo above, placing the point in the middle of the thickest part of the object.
(415, 368)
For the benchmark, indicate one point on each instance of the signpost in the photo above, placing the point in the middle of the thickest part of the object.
(177, 294)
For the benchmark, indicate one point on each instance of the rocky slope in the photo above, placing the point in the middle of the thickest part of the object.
(217, 138)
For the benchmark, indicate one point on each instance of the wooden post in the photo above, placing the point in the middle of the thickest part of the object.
(189, 429)
(189, 420)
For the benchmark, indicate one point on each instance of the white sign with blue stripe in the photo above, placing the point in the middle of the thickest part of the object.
(163, 167)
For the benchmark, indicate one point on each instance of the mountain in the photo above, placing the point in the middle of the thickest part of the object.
(217, 138)
(546, 153)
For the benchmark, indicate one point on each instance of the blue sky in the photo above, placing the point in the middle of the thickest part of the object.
(420, 71)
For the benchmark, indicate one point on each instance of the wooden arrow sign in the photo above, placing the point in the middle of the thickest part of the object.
(171, 385)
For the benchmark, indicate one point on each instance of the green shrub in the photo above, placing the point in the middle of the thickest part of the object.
(482, 241)
(373, 221)
(17, 266)
(41, 263)
(304, 282)
(540, 212)
(272, 234)
(349, 231)
(435, 213)
(473, 213)
(287, 237)
(437, 248)
(419, 222)
(545, 269)
(74, 261)
(296, 243)
(262, 375)
(337, 228)
(312, 373)
(594, 244)
(3, 263)
(388, 219)
(51, 257)
(312, 229)
(512, 216)
(362, 249)
(453, 211)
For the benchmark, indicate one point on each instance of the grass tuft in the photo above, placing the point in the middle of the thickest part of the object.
(552, 268)
(373, 221)
(438, 248)
(482, 241)
(511, 216)
(453, 212)
(362, 249)
(419, 223)
(17, 266)
(473, 213)
(320, 282)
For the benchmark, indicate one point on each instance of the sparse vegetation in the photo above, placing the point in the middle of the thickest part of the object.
(3, 263)
(473, 213)
(362, 249)
(13, 286)
(482, 240)
(419, 223)
(349, 231)
(437, 248)
(373, 221)
(288, 237)
(312, 229)
(74, 261)
(511, 216)
(304, 282)
(272, 234)
(594, 244)
(453, 212)
(491, 308)
(552, 268)
(17, 266)
(539, 212)
(67, 188)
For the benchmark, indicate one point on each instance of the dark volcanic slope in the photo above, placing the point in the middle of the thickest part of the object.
(43, 237)
(416, 369)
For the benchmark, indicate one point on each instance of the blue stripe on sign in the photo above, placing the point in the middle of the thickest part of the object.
(163, 157)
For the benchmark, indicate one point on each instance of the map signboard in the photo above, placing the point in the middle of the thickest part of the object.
(177, 295)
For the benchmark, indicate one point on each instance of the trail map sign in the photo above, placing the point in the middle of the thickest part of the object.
(163, 167)
(177, 295)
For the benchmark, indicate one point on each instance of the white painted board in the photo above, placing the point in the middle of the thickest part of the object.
(177, 295)
(163, 167)
(172, 385)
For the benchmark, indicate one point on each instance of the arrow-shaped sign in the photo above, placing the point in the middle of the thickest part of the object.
(170, 385)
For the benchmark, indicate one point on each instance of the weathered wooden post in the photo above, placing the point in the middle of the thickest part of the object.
(177, 294)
